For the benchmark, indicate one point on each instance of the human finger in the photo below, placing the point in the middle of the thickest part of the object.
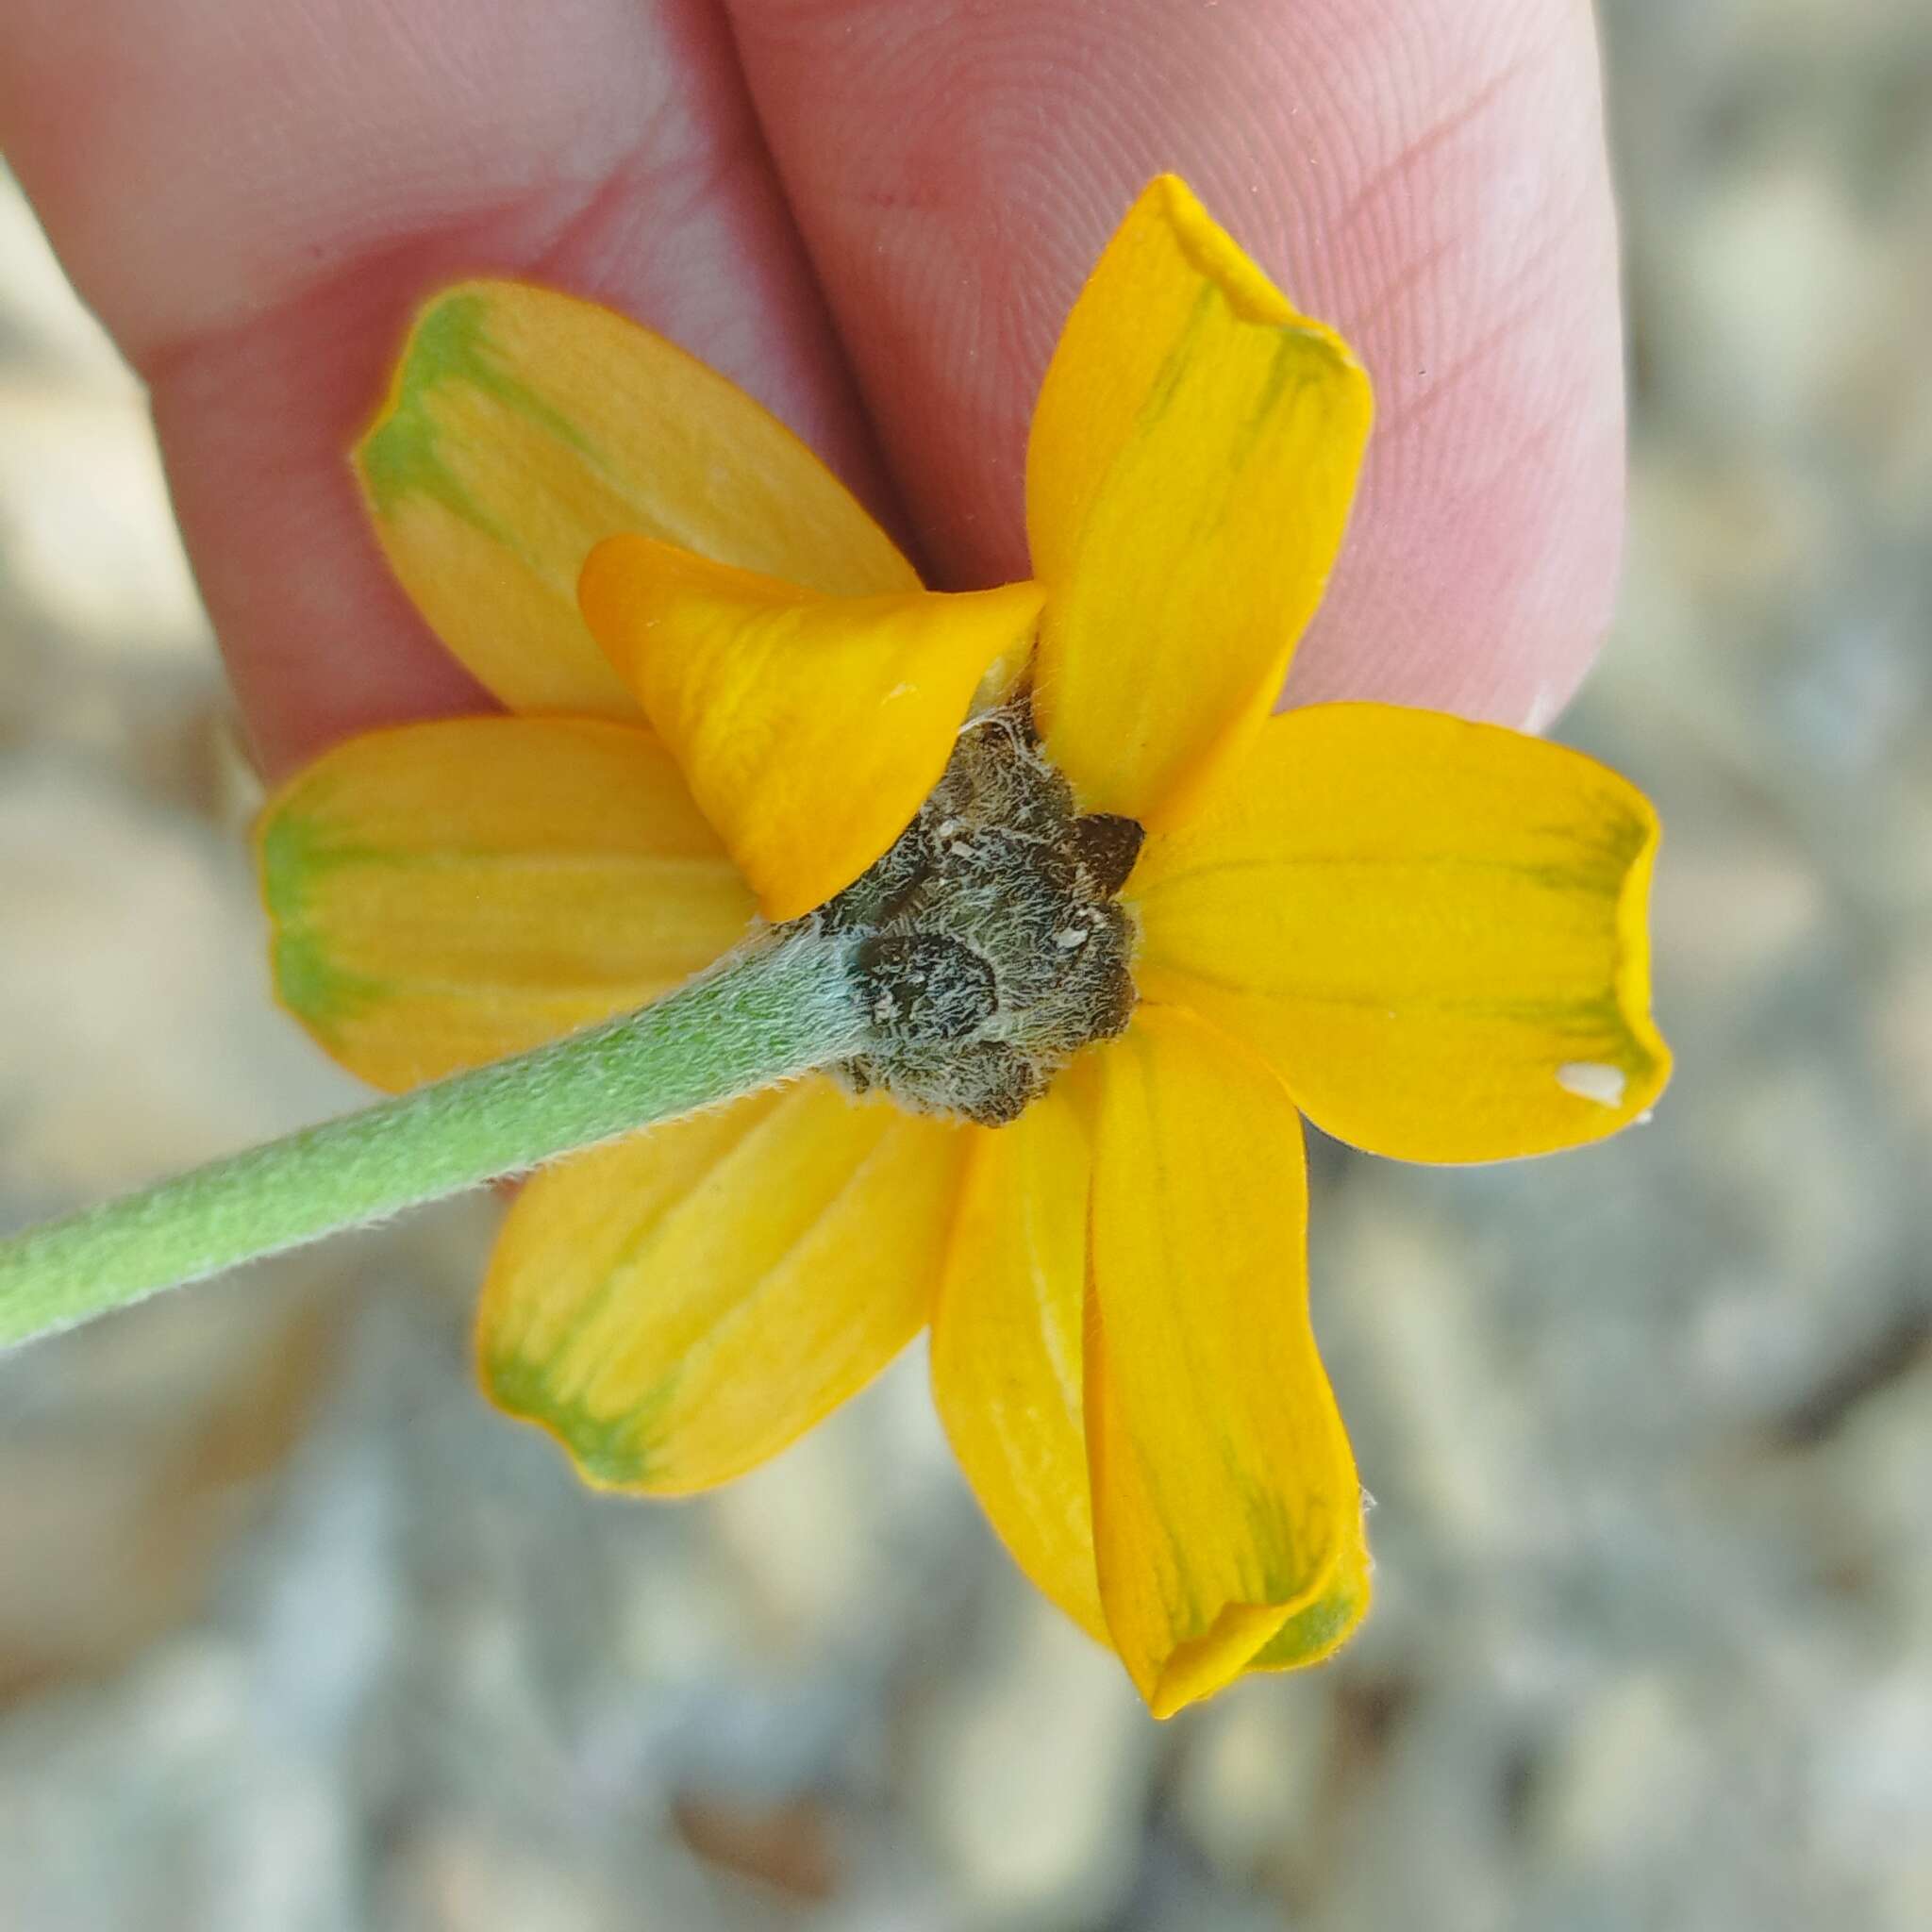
(253, 199)
(1429, 177)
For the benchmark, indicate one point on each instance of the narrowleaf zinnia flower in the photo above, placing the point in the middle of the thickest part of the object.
(1117, 927)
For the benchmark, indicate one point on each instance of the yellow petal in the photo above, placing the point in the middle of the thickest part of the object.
(442, 895)
(1224, 1496)
(1192, 465)
(809, 728)
(1006, 1343)
(678, 1306)
(522, 427)
(1315, 1634)
(1434, 931)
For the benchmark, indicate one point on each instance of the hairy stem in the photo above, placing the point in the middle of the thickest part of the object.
(763, 1015)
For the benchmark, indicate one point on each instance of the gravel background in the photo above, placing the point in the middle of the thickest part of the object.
(295, 1635)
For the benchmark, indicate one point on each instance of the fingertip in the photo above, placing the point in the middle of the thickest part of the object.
(1431, 179)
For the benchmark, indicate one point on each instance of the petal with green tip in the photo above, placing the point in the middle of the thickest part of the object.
(680, 1305)
(522, 427)
(443, 894)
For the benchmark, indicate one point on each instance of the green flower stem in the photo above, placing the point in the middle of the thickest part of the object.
(763, 1015)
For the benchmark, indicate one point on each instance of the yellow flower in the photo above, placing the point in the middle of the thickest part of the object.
(1427, 934)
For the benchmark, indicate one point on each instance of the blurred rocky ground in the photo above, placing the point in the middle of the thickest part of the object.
(295, 1638)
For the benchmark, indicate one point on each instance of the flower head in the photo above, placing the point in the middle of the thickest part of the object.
(1126, 929)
